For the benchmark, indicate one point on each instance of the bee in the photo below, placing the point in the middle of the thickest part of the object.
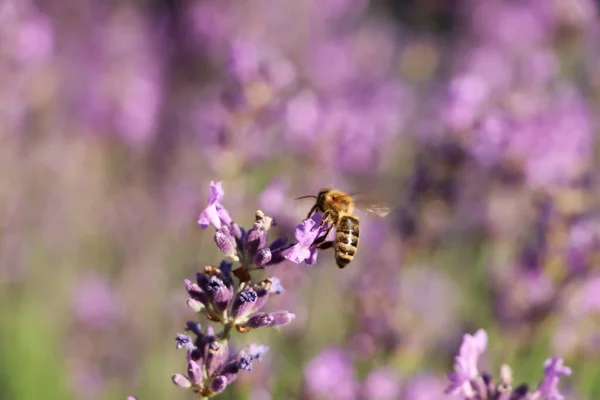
(338, 209)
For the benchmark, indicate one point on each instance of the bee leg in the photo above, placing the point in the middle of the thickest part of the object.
(312, 211)
(325, 218)
(320, 241)
(325, 245)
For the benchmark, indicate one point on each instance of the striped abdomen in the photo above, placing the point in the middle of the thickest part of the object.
(346, 240)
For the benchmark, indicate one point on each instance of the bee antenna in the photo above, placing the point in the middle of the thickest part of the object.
(310, 196)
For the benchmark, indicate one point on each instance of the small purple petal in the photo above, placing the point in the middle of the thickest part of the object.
(306, 233)
(184, 342)
(214, 214)
(297, 253)
(210, 216)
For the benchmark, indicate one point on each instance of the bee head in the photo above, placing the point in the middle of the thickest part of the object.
(322, 198)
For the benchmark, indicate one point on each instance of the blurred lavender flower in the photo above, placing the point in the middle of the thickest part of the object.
(331, 375)
(95, 302)
(469, 383)
(425, 387)
(381, 384)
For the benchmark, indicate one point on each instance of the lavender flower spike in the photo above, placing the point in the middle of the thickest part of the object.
(548, 388)
(465, 366)
(214, 214)
(235, 305)
(469, 384)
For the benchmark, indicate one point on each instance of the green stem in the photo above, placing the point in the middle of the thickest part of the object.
(227, 331)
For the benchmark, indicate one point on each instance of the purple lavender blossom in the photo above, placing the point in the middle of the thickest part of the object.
(465, 366)
(211, 368)
(425, 387)
(216, 295)
(553, 370)
(214, 214)
(330, 374)
(381, 384)
(306, 233)
(470, 384)
(96, 305)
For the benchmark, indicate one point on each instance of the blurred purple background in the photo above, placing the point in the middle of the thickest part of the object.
(476, 119)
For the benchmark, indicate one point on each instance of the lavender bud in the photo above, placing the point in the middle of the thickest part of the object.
(520, 391)
(277, 247)
(239, 235)
(181, 381)
(280, 243)
(195, 328)
(237, 231)
(196, 292)
(194, 372)
(218, 384)
(221, 294)
(255, 240)
(195, 305)
(217, 355)
(263, 257)
(230, 370)
(281, 318)
(244, 303)
(226, 270)
(262, 319)
(259, 320)
(226, 243)
(184, 342)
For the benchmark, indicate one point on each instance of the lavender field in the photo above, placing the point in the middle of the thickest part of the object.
(152, 246)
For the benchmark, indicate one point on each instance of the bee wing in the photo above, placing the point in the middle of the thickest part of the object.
(376, 210)
(374, 207)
